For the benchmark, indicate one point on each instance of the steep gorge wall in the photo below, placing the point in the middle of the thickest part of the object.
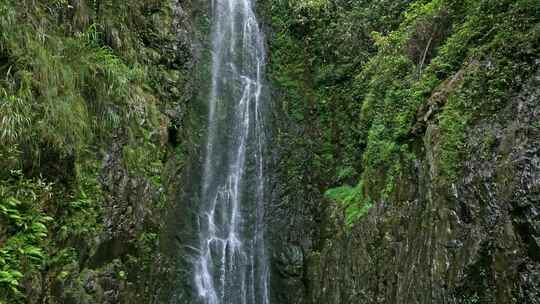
(109, 126)
(471, 241)
(437, 116)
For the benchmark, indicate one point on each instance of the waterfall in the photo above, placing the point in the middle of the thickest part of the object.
(231, 264)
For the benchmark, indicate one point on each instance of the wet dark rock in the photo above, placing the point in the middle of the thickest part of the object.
(123, 263)
(472, 240)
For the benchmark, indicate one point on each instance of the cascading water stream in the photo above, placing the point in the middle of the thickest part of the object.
(231, 264)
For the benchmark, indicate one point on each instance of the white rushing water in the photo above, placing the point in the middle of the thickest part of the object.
(231, 264)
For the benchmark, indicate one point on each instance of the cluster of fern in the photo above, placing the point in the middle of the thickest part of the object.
(23, 230)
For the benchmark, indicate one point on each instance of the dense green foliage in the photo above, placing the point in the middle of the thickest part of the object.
(74, 80)
(22, 251)
(360, 83)
(365, 78)
(64, 89)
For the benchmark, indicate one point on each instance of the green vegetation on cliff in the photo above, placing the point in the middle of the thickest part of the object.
(364, 77)
(84, 87)
(409, 150)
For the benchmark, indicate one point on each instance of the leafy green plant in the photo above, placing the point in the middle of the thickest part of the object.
(15, 118)
(26, 233)
(353, 200)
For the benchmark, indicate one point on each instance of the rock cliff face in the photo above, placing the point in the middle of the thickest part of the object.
(129, 262)
(471, 241)
(104, 246)
(474, 240)
(126, 265)
(433, 238)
